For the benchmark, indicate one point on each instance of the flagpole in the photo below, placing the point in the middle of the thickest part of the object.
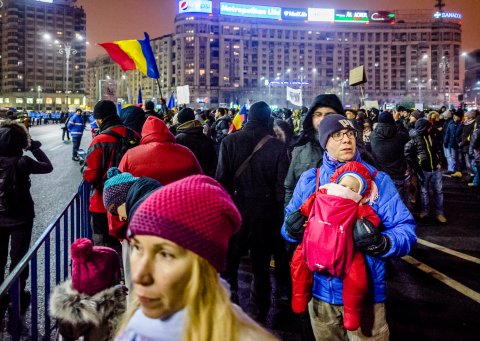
(162, 100)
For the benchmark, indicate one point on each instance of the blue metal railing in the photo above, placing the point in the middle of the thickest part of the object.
(72, 223)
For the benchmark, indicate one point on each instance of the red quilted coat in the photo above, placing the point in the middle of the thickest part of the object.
(158, 156)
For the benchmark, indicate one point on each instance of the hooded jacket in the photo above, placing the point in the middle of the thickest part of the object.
(100, 158)
(389, 207)
(422, 151)
(388, 143)
(190, 134)
(13, 138)
(158, 156)
(93, 317)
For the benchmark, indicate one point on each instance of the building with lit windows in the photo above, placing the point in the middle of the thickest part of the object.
(245, 53)
(36, 37)
(472, 78)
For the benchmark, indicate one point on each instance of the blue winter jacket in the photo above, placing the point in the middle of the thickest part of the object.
(76, 126)
(453, 135)
(397, 219)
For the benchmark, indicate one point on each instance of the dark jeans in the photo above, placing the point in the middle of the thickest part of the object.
(101, 237)
(65, 131)
(76, 145)
(19, 238)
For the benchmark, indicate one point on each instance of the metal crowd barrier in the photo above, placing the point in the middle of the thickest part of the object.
(71, 224)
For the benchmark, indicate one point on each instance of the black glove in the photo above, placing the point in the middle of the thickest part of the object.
(34, 145)
(294, 225)
(368, 239)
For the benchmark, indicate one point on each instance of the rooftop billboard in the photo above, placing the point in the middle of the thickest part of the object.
(195, 6)
(358, 16)
(253, 11)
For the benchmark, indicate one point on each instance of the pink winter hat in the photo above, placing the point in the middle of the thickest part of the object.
(94, 268)
(196, 213)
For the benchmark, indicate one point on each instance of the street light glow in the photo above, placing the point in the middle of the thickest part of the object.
(47, 36)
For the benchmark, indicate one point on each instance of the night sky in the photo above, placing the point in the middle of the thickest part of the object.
(110, 20)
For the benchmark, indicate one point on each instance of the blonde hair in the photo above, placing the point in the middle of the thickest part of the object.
(433, 116)
(210, 316)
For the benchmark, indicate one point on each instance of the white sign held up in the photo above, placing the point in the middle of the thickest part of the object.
(183, 94)
(294, 96)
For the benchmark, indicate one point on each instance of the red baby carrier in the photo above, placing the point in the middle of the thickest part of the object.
(328, 245)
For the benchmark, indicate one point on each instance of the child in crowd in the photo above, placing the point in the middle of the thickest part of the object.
(91, 302)
(353, 187)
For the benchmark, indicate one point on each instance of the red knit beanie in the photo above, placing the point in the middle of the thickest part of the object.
(94, 268)
(196, 213)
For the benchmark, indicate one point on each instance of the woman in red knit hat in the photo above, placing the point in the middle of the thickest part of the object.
(179, 237)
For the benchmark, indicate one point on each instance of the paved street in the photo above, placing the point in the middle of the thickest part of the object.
(434, 293)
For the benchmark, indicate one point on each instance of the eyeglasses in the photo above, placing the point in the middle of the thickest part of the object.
(338, 136)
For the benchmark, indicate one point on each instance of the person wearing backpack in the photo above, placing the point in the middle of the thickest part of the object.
(394, 239)
(16, 203)
(105, 151)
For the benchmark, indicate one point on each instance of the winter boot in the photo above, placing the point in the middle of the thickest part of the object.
(355, 287)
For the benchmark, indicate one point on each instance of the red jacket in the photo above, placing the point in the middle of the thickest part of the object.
(99, 160)
(158, 156)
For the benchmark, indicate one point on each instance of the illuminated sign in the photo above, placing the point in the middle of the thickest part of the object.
(383, 16)
(254, 11)
(351, 16)
(447, 15)
(321, 14)
(49, 1)
(294, 14)
(194, 6)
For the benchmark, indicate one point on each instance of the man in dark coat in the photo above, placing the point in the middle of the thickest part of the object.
(190, 134)
(387, 143)
(307, 152)
(423, 155)
(258, 193)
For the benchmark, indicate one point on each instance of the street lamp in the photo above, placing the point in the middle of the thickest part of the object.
(66, 50)
(39, 90)
(444, 64)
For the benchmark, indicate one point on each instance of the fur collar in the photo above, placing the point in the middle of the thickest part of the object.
(69, 305)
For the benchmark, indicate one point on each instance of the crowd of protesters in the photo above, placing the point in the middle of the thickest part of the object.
(180, 207)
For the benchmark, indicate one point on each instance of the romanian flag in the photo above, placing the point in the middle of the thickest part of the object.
(239, 119)
(133, 55)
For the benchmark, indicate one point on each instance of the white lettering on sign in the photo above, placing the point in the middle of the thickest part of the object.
(346, 123)
(447, 15)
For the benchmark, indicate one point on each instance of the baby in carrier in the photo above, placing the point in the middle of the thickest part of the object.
(335, 212)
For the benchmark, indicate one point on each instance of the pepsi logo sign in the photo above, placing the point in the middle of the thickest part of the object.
(183, 5)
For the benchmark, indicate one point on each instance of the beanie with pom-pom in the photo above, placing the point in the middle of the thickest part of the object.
(116, 188)
(94, 268)
(195, 213)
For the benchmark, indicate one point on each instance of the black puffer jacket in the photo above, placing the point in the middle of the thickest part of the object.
(388, 144)
(466, 135)
(190, 134)
(220, 129)
(422, 151)
(12, 137)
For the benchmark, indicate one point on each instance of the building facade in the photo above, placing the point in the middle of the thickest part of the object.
(225, 57)
(472, 78)
(36, 39)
